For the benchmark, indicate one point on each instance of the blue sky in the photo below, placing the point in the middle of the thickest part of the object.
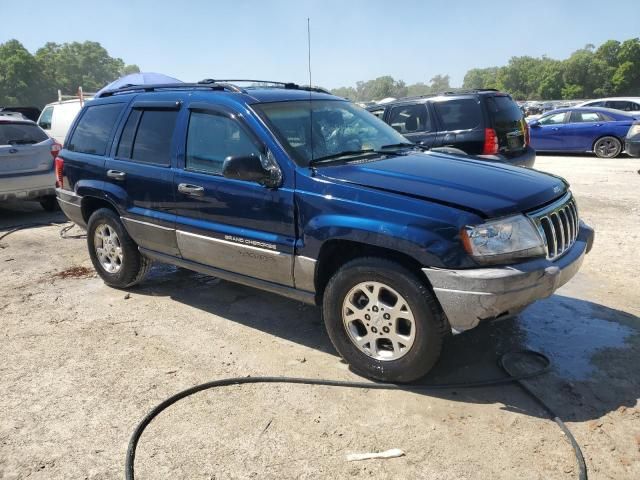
(351, 39)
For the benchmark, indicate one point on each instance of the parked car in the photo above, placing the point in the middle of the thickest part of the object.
(30, 113)
(582, 129)
(632, 141)
(26, 162)
(307, 195)
(486, 123)
(56, 118)
(627, 104)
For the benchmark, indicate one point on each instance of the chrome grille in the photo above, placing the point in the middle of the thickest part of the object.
(558, 224)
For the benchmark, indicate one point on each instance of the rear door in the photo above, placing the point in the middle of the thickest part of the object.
(506, 118)
(461, 123)
(139, 177)
(414, 121)
(234, 225)
(582, 129)
(24, 149)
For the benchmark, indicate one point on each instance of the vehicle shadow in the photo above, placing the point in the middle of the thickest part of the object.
(13, 213)
(593, 349)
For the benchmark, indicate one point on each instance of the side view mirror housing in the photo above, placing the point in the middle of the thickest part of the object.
(251, 168)
(534, 124)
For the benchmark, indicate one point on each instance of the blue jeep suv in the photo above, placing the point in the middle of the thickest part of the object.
(304, 194)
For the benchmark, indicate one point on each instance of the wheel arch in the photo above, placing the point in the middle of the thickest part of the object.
(90, 204)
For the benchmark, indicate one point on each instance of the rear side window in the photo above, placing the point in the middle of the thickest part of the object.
(211, 138)
(504, 110)
(146, 136)
(459, 114)
(619, 105)
(410, 118)
(45, 119)
(583, 117)
(94, 129)
(20, 134)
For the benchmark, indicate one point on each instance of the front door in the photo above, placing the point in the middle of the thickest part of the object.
(414, 122)
(548, 133)
(234, 225)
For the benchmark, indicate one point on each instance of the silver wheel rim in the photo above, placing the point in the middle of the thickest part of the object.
(378, 321)
(607, 147)
(108, 248)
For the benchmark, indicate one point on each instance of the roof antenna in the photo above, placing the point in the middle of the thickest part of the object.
(310, 106)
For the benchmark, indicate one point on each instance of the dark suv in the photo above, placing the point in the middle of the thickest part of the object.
(307, 195)
(484, 123)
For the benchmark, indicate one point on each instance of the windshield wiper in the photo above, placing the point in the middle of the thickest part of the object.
(335, 156)
(402, 145)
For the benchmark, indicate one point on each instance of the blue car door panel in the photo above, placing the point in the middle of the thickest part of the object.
(233, 225)
(139, 177)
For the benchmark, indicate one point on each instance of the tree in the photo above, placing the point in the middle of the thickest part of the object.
(20, 76)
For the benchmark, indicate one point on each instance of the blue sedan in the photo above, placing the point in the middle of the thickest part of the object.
(582, 129)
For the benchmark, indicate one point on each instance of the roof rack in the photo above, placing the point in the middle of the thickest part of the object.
(211, 84)
(262, 84)
(449, 92)
(164, 86)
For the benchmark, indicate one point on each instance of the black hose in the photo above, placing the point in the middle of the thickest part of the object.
(511, 378)
(15, 228)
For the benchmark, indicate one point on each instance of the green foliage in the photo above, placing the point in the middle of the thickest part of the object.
(611, 69)
(27, 79)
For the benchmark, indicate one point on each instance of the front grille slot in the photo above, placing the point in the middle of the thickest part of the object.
(558, 224)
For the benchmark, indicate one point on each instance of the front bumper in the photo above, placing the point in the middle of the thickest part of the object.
(632, 147)
(470, 296)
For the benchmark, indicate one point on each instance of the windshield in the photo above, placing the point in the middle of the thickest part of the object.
(329, 129)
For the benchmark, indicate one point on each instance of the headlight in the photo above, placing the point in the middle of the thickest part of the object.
(502, 240)
(634, 130)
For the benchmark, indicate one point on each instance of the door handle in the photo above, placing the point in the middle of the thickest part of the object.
(116, 175)
(193, 190)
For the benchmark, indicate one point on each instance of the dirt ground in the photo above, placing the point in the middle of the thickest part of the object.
(83, 363)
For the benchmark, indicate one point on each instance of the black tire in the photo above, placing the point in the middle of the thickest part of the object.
(49, 203)
(133, 267)
(607, 147)
(429, 321)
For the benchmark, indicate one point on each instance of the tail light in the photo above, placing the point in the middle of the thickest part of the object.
(55, 149)
(527, 134)
(58, 166)
(490, 142)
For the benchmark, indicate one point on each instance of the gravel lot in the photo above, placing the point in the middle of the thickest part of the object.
(83, 363)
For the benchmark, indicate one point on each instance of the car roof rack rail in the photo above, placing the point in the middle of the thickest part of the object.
(262, 84)
(166, 86)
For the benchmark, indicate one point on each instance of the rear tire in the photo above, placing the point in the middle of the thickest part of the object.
(391, 332)
(607, 147)
(113, 252)
(49, 203)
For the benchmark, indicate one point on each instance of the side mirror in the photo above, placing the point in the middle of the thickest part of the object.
(250, 168)
(534, 124)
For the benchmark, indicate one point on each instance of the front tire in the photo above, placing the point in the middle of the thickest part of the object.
(113, 252)
(383, 320)
(607, 147)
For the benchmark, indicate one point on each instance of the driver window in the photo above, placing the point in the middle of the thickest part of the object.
(552, 119)
(211, 138)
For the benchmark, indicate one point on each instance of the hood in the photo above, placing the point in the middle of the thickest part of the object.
(491, 189)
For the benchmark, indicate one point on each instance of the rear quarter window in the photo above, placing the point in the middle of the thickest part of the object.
(21, 134)
(45, 119)
(94, 129)
(459, 114)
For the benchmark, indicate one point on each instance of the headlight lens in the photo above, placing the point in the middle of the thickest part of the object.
(634, 130)
(503, 239)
